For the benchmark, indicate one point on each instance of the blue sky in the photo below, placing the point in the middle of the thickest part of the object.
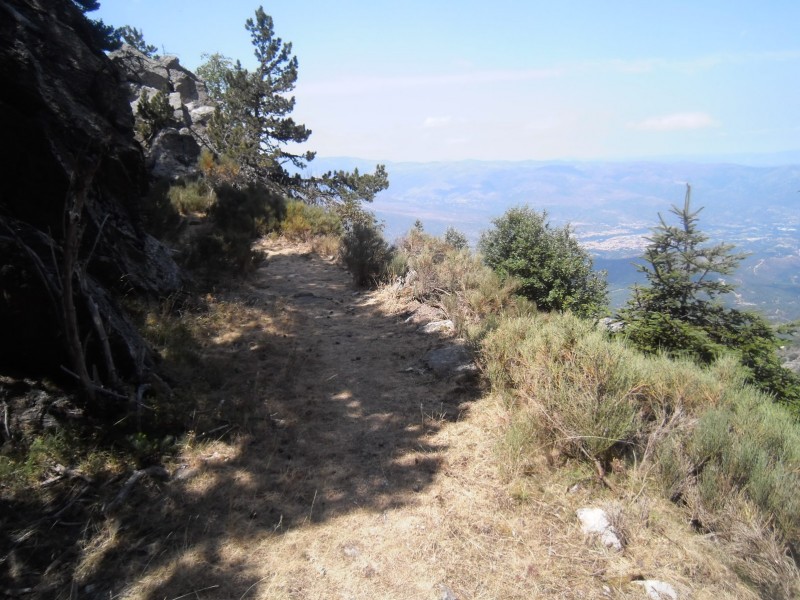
(515, 80)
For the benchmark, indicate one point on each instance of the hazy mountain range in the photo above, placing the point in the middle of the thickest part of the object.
(612, 206)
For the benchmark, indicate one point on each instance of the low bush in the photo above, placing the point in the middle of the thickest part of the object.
(238, 217)
(456, 280)
(717, 445)
(739, 477)
(454, 238)
(191, 197)
(160, 216)
(212, 251)
(327, 245)
(154, 114)
(749, 447)
(253, 210)
(553, 270)
(366, 254)
(306, 221)
(218, 171)
(560, 373)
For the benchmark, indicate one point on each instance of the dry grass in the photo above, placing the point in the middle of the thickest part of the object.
(327, 246)
(456, 280)
(722, 451)
(465, 532)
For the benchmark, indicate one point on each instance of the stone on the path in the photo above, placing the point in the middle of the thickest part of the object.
(445, 593)
(450, 360)
(594, 521)
(658, 590)
(438, 326)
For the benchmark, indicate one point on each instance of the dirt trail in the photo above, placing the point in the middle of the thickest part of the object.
(354, 396)
(330, 463)
(357, 474)
(354, 456)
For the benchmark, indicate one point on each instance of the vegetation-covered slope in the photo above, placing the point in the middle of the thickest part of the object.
(271, 431)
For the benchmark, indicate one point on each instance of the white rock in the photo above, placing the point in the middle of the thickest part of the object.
(658, 590)
(450, 361)
(175, 101)
(436, 326)
(201, 113)
(594, 521)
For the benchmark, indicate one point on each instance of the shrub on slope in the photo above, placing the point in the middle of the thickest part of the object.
(717, 445)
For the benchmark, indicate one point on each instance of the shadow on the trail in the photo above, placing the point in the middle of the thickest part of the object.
(318, 439)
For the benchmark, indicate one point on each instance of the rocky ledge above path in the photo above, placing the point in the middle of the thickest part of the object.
(173, 153)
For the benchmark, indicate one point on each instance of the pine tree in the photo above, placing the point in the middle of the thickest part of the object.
(105, 37)
(135, 37)
(154, 114)
(253, 123)
(680, 311)
(682, 271)
(253, 128)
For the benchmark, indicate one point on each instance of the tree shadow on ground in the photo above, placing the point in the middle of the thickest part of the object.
(332, 411)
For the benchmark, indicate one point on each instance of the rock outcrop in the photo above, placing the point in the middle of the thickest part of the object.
(71, 232)
(174, 151)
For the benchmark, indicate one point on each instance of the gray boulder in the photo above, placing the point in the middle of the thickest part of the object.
(450, 361)
(173, 153)
(444, 326)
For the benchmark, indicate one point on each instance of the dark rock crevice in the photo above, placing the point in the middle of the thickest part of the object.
(70, 199)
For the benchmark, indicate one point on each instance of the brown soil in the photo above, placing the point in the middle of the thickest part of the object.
(347, 424)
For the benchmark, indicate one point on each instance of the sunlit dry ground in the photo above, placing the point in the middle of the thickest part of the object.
(358, 474)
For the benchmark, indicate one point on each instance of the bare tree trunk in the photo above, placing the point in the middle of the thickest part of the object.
(70, 269)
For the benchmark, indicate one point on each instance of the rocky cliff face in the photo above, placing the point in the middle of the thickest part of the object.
(174, 151)
(73, 179)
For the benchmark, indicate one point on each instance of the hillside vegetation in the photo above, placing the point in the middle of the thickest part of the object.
(698, 435)
(279, 422)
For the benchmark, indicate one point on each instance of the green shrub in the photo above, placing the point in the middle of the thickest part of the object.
(191, 197)
(552, 268)
(738, 472)
(454, 238)
(154, 114)
(749, 446)
(213, 251)
(717, 445)
(305, 221)
(366, 254)
(253, 210)
(160, 217)
(238, 216)
(580, 393)
(471, 293)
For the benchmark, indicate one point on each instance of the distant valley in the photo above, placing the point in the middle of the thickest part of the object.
(612, 207)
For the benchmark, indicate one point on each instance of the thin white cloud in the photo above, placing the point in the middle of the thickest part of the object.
(676, 122)
(694, 64)
(350, 85)
(360, 84)
(436, 122)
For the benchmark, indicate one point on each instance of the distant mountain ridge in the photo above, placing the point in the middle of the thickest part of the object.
(612, 207)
